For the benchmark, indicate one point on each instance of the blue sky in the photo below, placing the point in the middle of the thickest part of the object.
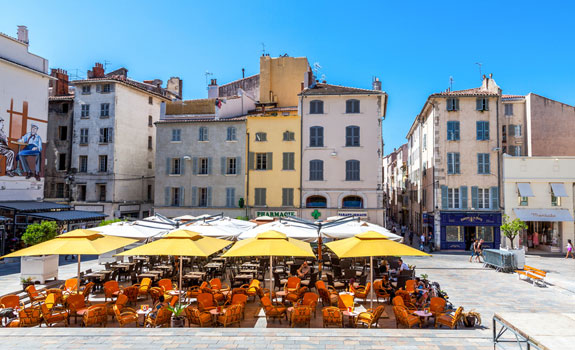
(413, 47)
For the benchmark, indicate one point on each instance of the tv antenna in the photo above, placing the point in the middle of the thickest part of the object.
(316, 68)
(263, 49)
(106, 63)
(207, 74)
(450, 83)
(480, 73)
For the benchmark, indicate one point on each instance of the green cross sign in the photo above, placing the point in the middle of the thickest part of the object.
(316, 214)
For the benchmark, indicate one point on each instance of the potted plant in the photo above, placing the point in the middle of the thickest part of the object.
(26, 281)
(40, 267)
(471, 318)
(510, 229)
(178, 320)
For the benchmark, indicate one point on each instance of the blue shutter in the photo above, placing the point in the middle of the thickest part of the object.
(167, 196)
(486, 163)
(463, 196)
(486, 130)
(223, 165)
(168, 164)
(312, 136)
(194, 196)
(209, 197)
(210, 165)
(320, 137)
(444, 201)
(479, 131)
(449, 127)
(479, 163)
(239, 165)
(456, 131)
(456, 167)
(232, 197)
(494, 198)
(182, 197)
(478, 104)
(195, 165)
(319, 170)
(474, 197)
(182, 166)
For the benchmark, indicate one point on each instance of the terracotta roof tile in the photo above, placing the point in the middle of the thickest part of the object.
(61, 98)
(199, 119)
(512, 97)
(121, 79)
(466, 92)
(329, 89)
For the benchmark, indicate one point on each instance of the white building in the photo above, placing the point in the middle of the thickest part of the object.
(24, 82)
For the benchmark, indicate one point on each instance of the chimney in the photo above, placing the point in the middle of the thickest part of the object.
(97, 71)
(60, 86)
(376, 84)
(213, 89)
(23, 34)
(174, 85)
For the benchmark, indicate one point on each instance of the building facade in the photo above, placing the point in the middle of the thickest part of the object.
(540, 191)
(341, 147)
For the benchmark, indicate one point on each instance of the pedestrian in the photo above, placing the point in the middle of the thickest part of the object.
(479, 252)
(422, 241)
(569, 249)
(473, 250)
(403, 230)
(410, 237)
(430, 241)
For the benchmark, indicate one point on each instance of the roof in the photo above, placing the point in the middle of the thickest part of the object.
(329, 89)
(148, 88)
(69, 215)
(32, 205)
(199, 119)
(512, 97)
(467, 92)
(61, 98)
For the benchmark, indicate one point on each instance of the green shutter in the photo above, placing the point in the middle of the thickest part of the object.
(494, 198)
(463, 196)
(474, 197)
(194, 196)
(239, 165)
(270, 161)
(251, 161)
(444, 201)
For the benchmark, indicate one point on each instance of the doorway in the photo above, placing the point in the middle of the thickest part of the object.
(469, 236)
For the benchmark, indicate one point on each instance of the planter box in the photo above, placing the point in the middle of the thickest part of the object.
(39, 268)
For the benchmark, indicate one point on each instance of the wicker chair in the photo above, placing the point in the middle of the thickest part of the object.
(206, 302)
(195, 316)
(95, 315)
(125, 315)
(310, 300)
(77, 306)
(34, 294)
(132, 293)
(332, 316)
(379, 291)
(28, 317)
(162, 319)
(301, 315)
(273, 311)
(144, 287)
(370, 317)
(111, 290)
(403, 317)
(54, 315)
(449, 320)
(232, 315)
(361, 292)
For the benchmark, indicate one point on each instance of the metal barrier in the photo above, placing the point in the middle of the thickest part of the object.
(501, 260)
(520, 338)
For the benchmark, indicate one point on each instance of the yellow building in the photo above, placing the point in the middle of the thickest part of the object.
(274, 137)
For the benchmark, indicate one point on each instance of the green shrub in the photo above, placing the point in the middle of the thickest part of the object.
(38, 233)
(108, 222)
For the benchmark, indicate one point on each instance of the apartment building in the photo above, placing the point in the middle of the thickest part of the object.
(395, 187)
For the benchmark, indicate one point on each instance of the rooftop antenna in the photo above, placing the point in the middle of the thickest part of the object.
(106, 63)
(316, 68)
(450, 83)
(263, 49)
(207, 74)
(480, 73)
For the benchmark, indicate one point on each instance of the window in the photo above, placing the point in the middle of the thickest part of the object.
(60, 189)
(288, 161)
(555, 201)
(260, 196)
(316, 107)
(504, 134)
(289, 136)
(515, 150)
(175, 166)
(483, 199)
(103, 163)
(230, 197)
(231, 166)
(316, 136)
(453, 198)
(482, 104)
(316, 202)
(452, 131)
(352, 202)
(150, 193)
(316, 170)
(262, 161)
(482, 131)
(65, 108)
(452, 104)
(84, 136)
(175, 197)
(106, 88)
(150, 100)
(483, 163)
(85, 112)
(523, 201)
(85, 89)
(62, 133)
(231, 135)
(203, 134)
(149, 165)
(454, 234)
(104, 110)
(176, 135)
(150, 142)
(204, 166)
(261, 136)
(62, 161)
(83, 164)
(508, 109)
(287, 197)
(485, 233)
(102, 192)
(453, 163)
(203, 197)
(150, 121)
(352, 106)
(424, 146)
(352, 136)
(352, 170)
(515, 130)
(105, 135)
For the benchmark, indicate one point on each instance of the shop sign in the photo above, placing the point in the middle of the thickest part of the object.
(276, 214)
(361, 214)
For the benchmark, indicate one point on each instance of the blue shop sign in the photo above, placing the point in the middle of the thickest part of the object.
(471, 219)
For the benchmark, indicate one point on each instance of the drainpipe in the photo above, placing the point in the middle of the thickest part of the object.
(301, 158)
(247, 202)
(499, 179)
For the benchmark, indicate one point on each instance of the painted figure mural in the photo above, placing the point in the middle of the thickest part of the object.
(33, 149)
(6, 151)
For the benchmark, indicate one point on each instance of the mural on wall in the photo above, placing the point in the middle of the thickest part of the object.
(21, 145)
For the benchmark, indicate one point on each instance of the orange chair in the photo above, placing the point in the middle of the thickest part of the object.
(166, 284)
(437, 306)
(174, 300)
(410, 286)
(11, 301)
(361, 292)
(216, 284)
(273, 311)
(398, 301)
(162, 319)
(53, 315)
(233, 314)
(330, 289)
(403, 317)
(310, 300)
(111, 290)
(28, 317)
(125, 315)
(120, 303)
(252, 288)
(379, 291)
(370, 317)
(77, 306)
(34, 294)
(293, 283)
(239, 299)
(87, 290)
(332, 316)
(206, 302)
(301, 315)
(345, 301)
(195, 291)
(95, 315)
(327, 299)
(132, 294)
(52, 300)
(449, 320)
(70, 286)
(155, 293)
(195, 316)
(144, 287)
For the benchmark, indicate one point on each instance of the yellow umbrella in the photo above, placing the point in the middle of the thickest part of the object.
(270, 243)
(181, 243)
(79, 242)
(371, 244)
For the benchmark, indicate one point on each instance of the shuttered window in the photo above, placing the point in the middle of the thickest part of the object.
(352, 106)
(203, 134)
(287, 197)
(452, 131)
(231, 134)
(508, 109)
(352, 136)
(482, 104)
(316, 136)
(176, 135)
(316, 170)
(230, 197)
(260, 196)
(352, 170)
(482, 130)
(483, 166)
(288, 161)
(453, 166)
(316, 107)
(452, 104)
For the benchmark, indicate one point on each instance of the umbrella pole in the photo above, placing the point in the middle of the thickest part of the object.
(371, 280)
(180, 285)
(78, 280)
(271, 278)
(319, 252)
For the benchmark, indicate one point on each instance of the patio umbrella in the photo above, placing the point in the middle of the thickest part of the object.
(221, 227)
(79, 242)
(181, 243)
(290, 229)
(270, 243)
(371, 244)
(131, 230)
(352, 228)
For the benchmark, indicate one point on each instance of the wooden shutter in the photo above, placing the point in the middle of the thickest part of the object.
(456, 100)
(319, 170)
(263, 196)
(456, 167)
(239, 165)
(494, 198)
(209, 195)
(486, 163)
(182, 166)
(195, 165)
(251, 160)
(463, 196)
(210, 165)
(285, 161)
(223, 165)
(511, 130)
(269, 161)
(194, 196)
(479, 130)
(456, 130)
(444, 200)
(182, 197)
(167, 196)
(486, 104)
(478, 104)
(474, 191)
(168, 165)
(486, 130)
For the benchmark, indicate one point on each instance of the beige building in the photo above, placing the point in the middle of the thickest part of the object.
(540, 191)
(394, 187)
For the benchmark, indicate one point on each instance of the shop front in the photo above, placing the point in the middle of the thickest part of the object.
(460, 229)
(545, 228)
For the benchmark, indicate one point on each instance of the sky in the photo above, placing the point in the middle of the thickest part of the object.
(412, 47)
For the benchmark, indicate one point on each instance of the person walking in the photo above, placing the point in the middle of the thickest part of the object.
(569, 249)
(422, 241)
(473, 250)
(479, 252)
(410, 237)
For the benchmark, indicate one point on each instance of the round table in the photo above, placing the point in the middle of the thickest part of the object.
(423, 315)
(215, 313)
(351, 315)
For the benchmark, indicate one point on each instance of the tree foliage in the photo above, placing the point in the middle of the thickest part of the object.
(511, 229)
(108, 222)
(38, 233)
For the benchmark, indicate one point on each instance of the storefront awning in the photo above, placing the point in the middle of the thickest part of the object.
(558, 190)
(543, 214)
(525, 189)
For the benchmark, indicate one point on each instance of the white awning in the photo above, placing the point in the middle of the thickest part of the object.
(525, 189)
(543, 214)
(558, 190)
